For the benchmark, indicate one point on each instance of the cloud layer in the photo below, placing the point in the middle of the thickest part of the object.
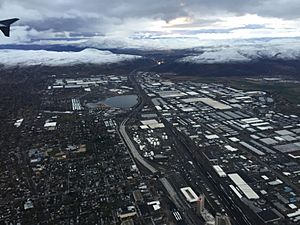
(51, 58)
(136, 20)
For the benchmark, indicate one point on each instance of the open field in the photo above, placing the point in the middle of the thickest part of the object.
(288, 90)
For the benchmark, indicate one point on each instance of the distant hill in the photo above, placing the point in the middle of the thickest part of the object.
(193, 62)
(256, 68)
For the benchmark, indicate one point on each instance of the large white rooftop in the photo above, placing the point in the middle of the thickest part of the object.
(243, 186)
(208, 101)
(171, 94)
(219, 171)
(50, 124)
(189, 194)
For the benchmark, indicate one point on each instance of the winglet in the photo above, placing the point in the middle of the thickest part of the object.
(5, 26)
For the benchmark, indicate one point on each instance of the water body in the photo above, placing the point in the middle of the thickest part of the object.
(122, 101)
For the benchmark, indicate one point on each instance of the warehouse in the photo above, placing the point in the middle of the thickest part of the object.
(243, 186)
(189, 194)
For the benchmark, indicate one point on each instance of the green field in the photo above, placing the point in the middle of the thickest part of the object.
(290, 91)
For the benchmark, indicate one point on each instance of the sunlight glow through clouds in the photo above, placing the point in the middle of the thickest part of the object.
(246, 26)
(179, 21)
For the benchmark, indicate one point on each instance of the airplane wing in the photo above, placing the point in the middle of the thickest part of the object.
(5, 25)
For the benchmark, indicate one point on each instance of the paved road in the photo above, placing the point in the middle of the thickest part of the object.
(133, 149)
(183, 206)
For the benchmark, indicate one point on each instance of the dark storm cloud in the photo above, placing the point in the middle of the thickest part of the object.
(166, 9)
(65, 24)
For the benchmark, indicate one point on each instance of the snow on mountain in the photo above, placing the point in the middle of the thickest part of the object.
(52, 58)
(223, 55)
(146, 44)
(210, 51)
(245, 52)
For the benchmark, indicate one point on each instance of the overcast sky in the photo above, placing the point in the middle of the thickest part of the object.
(164, 22)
